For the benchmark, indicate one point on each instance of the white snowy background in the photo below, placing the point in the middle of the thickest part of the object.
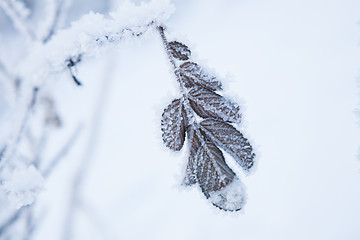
(292, 66)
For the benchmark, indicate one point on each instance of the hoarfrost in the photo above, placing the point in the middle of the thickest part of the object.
(192, 74)
(22, 185)
(206, 164)
(191, 168)
(231, 140)
(179, 50)
(208, 104)
(212, 172)
(18, 12)
(91, 34)
(230, 198)
(173, 125)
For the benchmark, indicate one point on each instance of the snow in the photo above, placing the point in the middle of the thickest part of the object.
(21, 186)
(294, 64)
(232, 197)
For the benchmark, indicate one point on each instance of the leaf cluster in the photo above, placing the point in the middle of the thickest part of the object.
(210, 136)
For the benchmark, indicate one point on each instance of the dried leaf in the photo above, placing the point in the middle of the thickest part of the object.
(179, 50)
(231, 140)
(208, 104)
(212, 172)
(192, 74)
(173, 125)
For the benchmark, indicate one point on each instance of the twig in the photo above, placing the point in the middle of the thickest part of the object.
(15, 80)
(2, 152)
(17, 19)
(55, 21)
(71, 64)
(189, 111)
(22, 127)
(30, 225)
(12, 220)
(81, 173)
(63, 151)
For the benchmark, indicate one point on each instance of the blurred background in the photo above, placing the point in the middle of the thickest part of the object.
(89, 161)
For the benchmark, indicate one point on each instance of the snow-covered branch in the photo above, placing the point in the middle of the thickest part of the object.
(23, 171)
(18, 13)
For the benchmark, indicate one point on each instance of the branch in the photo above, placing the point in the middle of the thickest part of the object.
(63, 151)
(206, 164)
(6, 72)
(22, 128)
(80, 175)
(71, 64)
(17, 18)
(30, 224)
(189, 111)
(12, 220)
(55, 21)
(2, 152)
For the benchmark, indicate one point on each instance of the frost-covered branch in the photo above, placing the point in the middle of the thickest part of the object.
(90, 35)
(14, 145)
(55, 20)
(2, 152)
(40, 61)
(6, 72)
(18, 13)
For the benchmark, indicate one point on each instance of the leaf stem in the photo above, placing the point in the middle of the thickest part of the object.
(188, 109)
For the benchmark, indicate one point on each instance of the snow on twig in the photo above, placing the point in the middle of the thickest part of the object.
(57, 52)
(55, 20)
(91, 34)
(18, 13)
(20, 133)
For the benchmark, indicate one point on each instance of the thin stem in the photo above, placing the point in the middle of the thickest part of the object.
(172, 60)
(166, 44)
(12, 220)
(189, 111)
(55, 21)
(22, 128)
(88, 158)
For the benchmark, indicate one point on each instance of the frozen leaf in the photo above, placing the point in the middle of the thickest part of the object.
(179, 50)
(208, 104)
(173, 125)
(206, 165)
(192, 74)
(229, 198)
(231, 140)
(212, 172)
(191, 168)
